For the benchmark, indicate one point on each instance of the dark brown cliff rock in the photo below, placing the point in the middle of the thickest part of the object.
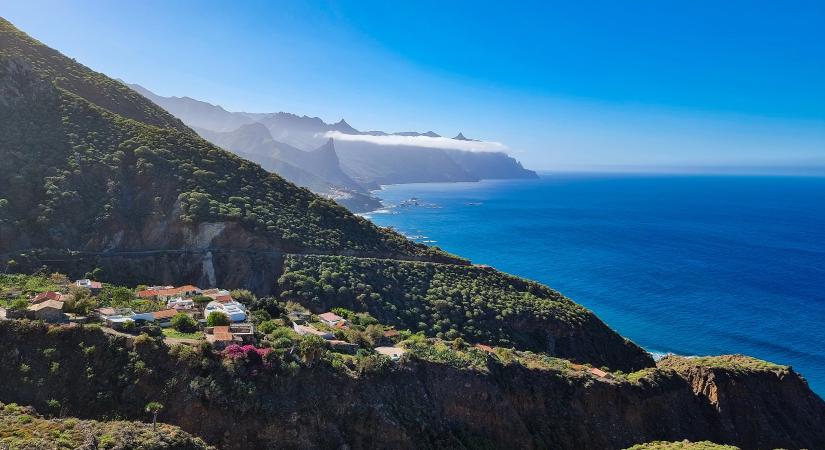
(417, 405)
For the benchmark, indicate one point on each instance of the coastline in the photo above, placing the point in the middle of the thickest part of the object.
(702, 286)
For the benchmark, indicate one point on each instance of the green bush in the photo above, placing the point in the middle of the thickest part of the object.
(217, 318)
(184, 323)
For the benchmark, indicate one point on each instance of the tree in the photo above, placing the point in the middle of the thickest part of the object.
(243, 296)
(267, 327)
(59, 279)
(154, 408)
(201, 300)
(217, 318)
(19, 304)
(121, 296)
(184, 323)
(79, 300)
(311, 348)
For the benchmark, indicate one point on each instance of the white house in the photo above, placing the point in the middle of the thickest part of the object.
(180, 303)
(94, 286)
(116, 317)
(234, 310)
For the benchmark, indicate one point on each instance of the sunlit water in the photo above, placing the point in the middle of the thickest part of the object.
(684, 264)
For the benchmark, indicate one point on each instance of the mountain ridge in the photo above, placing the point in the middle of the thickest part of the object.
(368, 163)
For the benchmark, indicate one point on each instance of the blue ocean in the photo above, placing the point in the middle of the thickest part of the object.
(693, 265)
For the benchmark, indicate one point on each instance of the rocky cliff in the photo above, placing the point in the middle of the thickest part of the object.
(420, 404)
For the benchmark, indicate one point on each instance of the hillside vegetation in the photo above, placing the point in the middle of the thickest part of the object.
(21, 428)
(440, 395)
(732, 363)
(682, 445)
(448, 301)
(82, 155)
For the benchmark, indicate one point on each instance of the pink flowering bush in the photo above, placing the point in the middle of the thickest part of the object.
(252, 355)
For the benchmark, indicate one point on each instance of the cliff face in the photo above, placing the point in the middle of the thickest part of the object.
(418, 405)
(784, 404)
(490, 165)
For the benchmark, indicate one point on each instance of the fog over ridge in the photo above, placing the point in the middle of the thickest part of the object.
(420, 141)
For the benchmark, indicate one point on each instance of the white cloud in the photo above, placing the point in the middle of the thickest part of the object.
(420, 141)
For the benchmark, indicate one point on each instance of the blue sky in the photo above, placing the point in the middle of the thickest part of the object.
(602, 84)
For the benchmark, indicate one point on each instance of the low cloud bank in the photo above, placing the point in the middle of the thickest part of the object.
(420, 141)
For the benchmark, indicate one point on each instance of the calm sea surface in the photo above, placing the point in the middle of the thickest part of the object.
(692, 265)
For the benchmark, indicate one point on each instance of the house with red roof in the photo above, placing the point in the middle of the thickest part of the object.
(49, 311)
(166, 293)
(163, 317)
(600, 373)
(220, 336)
(485, 348)
(48, 295)
(331, 319)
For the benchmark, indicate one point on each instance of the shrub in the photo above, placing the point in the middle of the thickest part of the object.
(267, 327)
(217, 318)
(201, 300)
(53, 406)
(373, 364)
(19, 304)
(312, 349)
(243, 296)
(184, 323)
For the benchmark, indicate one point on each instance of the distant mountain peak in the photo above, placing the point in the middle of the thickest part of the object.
(344, 127)
(460, 137)
(328, 146)
(412, 133)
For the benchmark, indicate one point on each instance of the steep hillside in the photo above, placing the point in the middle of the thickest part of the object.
(371, 163)
(254, 139)
(301, 131)
(197, 114)
(79, 80)
(318, 170)
(77, 175)
(306, 400)
(727, 383)
(490, 165)
(480, 305)
(22, 428)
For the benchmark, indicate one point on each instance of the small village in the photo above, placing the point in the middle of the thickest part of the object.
(236, 322)
(190, 315)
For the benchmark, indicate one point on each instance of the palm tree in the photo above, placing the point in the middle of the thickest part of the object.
(154, 408)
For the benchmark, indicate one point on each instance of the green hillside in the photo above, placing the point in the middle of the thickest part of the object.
(104, 175)
(478, 304)
(83, 157)
(22, 428)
